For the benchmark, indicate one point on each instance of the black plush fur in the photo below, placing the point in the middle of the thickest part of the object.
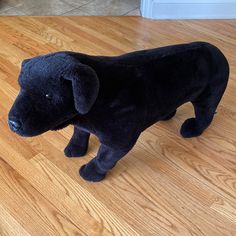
(116, 98)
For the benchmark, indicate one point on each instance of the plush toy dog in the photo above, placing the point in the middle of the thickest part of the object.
(116, 98)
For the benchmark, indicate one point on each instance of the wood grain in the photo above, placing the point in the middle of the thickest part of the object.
(166, 185)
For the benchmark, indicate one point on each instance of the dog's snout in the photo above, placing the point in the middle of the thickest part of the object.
(14, 125)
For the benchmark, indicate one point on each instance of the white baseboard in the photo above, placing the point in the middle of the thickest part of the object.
(188, 9)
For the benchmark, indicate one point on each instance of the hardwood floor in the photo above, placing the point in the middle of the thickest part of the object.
(166, 185)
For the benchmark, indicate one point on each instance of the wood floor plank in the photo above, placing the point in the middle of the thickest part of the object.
(182, 156)
(49, 191)
(9, 226)
(225, 208)
(29, 206)
(82, 197)
(166, 185)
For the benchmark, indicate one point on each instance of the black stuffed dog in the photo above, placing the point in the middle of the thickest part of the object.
(116, 98)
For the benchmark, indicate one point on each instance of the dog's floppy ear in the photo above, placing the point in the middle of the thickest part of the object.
(85, 85)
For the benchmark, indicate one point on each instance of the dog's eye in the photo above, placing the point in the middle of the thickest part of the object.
(48, 96)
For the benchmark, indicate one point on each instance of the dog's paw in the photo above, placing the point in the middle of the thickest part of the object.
(190, 129)
(90, 173)
(169, 116)
(75, 151)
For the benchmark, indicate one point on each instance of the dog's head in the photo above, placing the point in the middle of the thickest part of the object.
(54, 89)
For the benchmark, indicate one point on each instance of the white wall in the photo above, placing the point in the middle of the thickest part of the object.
(188, 9)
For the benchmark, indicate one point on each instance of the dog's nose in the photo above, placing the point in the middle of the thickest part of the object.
(14, 125)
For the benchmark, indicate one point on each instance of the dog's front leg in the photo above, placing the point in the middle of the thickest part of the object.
(105, 160)
(78, 144)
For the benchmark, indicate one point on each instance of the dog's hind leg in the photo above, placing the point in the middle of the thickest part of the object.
(206, 103)
(203, 116)
(205, 108)
(78, 144)
(105, 160)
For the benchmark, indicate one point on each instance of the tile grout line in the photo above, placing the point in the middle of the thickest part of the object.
(2, 13)
(77, 8)
(130, 11)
